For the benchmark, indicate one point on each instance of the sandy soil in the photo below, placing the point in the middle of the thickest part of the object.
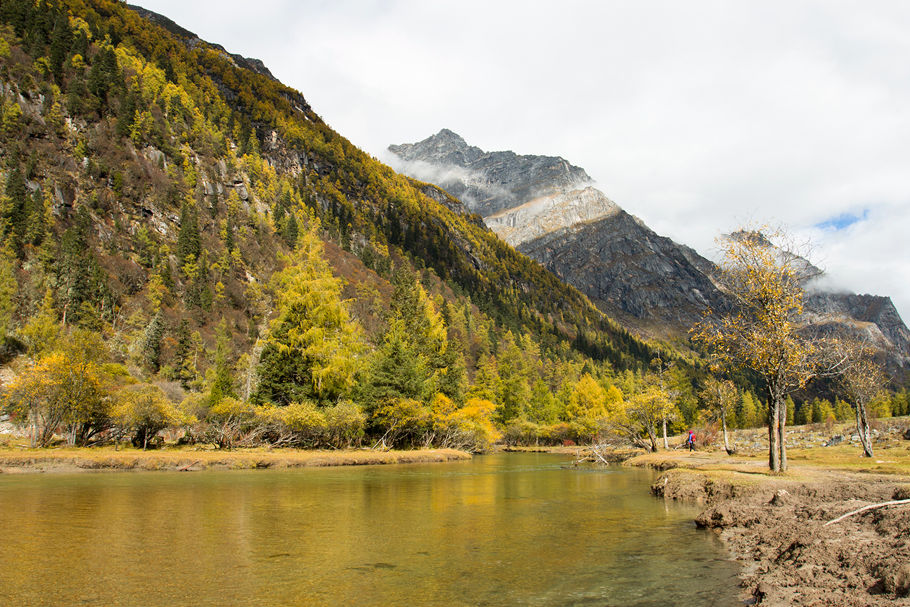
(775, 526)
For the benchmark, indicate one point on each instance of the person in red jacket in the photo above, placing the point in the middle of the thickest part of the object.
(690, 440)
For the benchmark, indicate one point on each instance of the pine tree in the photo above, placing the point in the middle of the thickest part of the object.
(8, 291)
(184, 369)
(312, 350)
(15, 211)
(290, 231)
(221, 383)
(487, 382)
(151, 345)
(514, 389)
(188, 242)
(397, 370)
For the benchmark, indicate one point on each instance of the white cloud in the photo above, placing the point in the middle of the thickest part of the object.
(695, 116)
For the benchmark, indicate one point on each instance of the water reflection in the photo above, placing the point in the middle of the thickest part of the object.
(499, 530)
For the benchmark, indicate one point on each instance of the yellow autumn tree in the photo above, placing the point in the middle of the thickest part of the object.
(586, 408)
(65, 391)
(313, 348)
(762, 275)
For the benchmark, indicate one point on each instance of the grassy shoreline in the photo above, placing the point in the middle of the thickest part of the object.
(92, 459)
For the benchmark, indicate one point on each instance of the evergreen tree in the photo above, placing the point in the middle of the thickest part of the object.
(487, 382)
(8, 291)
(221, 383)
(514, 389)
(184, 369)
(151, 345)
(312, 351)
(61, 41)
(188, 242)
(397, 370)
(15, 211)
(290, 231)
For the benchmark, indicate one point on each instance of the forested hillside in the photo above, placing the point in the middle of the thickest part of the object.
(187, 245)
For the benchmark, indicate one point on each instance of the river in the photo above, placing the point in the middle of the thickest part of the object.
(506, 529)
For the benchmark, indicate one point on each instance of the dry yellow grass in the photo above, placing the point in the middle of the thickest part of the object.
(803, 463)
(107, 458)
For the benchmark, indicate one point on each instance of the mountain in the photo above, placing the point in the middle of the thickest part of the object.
(651, 284)
(548, 209)
(150, 174)
(486, 182)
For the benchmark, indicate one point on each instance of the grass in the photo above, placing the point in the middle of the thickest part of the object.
(72, 459)
(804, 464)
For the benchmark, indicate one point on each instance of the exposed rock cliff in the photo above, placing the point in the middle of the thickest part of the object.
(550, 213)
(630, 272)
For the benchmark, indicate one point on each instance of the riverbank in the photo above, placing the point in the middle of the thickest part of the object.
(781, 527)
(68, 460)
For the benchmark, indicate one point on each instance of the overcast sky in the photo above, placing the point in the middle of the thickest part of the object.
(696, 116)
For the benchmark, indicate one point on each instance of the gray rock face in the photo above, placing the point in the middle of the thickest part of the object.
(486, 182)
(629, 271)
(541, 206)
(868, 316)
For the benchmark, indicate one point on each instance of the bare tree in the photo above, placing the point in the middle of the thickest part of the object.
(861, 379)
(720, 396)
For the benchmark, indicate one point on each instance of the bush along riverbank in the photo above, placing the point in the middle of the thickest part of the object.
(790, 533)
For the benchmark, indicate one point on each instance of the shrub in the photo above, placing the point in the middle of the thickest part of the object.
(405, 422)
(143, 410)
(233, 423)
(345, 424)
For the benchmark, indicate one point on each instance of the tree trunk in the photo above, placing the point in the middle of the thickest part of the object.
(781, 429)
(773, 435)
(862, 428)
(652, 436)
(723, 423)
(666, 444)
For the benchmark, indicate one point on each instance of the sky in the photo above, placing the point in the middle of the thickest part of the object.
(697, 116)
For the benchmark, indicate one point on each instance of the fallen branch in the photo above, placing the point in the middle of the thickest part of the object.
(871, 507)
(599, 456)
(188, 466)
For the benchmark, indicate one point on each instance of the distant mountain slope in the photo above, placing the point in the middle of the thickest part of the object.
(653, 285)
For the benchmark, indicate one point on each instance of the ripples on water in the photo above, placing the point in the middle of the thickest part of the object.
(509, 529)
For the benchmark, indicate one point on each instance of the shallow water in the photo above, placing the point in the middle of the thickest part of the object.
(509, 529)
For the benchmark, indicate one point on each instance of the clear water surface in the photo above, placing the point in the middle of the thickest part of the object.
(508, 529)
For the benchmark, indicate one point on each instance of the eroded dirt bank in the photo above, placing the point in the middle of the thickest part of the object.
(775, 526)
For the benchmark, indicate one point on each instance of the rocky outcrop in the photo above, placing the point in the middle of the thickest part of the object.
(551, 213)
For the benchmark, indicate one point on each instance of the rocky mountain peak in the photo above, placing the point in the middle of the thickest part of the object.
(445, 147)
(487, 182)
